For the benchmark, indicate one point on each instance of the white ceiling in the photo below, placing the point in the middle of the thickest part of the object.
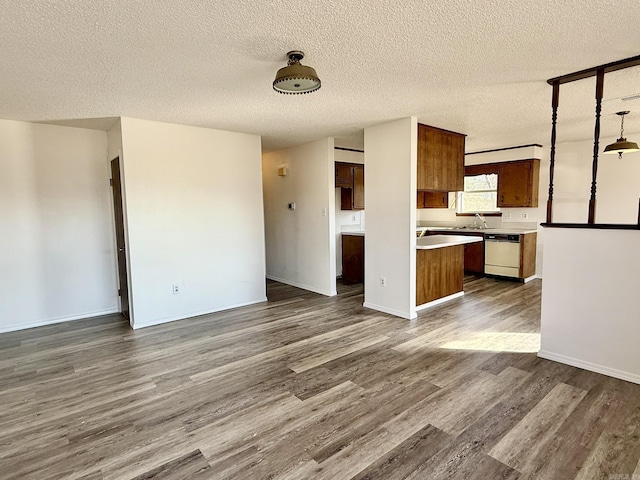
(476, 67)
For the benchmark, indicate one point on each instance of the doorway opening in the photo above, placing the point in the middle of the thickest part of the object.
(118, 209)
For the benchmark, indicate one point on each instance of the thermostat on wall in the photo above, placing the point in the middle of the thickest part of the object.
(283, 170)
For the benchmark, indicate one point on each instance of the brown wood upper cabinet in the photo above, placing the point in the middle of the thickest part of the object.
(518, 181)
(344, 175)
(432, 200)
(440, 159)
(350, 177)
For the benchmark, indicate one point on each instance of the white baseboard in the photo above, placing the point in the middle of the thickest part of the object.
(184, 316)
(391, 311)
(532, 277)
(53, 321)
(592, 367)
(302, 286)
(439, 301)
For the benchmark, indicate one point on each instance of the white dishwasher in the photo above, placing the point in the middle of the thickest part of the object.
(502, 255)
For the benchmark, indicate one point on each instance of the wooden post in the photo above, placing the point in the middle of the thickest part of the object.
(552, 163)
(596, 145)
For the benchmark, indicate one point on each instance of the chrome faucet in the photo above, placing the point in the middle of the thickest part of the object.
(483, 224)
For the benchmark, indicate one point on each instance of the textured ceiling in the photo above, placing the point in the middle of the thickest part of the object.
(477, 67)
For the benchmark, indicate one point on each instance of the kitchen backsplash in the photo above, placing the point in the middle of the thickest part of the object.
(492, 222)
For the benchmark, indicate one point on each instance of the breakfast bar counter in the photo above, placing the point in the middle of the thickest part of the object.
(441, 241)
(440, 268)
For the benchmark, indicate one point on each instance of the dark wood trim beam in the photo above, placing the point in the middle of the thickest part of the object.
(594, 226)
(484, 214)
(505, 148)
(348, 149)
(555, 98)
(592, 72)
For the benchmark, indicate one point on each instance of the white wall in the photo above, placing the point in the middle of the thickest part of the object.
(346, 220)
(300, 243)
(195, 219)
(58, 260)
(590, 302)
(618, 184)
(114, 140)
(390, 199)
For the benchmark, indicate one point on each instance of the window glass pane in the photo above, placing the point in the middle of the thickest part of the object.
(480, 194)
(481, 182)
(471, 202)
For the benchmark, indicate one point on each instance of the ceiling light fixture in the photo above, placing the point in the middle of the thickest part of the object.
(295, 78)
(621, 145)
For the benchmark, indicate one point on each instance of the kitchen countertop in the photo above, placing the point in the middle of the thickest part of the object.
(503, 230)
(451, 231)
(441, 241)
(519, 231)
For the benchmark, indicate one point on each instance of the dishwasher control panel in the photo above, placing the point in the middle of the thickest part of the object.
(502, 237)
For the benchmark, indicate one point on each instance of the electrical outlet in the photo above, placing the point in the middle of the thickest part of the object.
(176, 289)
(353, 217)
(525, 215)
(506, 215)
(383, 281)
(324, 212)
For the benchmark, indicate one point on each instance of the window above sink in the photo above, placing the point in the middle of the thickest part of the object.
(480, 194)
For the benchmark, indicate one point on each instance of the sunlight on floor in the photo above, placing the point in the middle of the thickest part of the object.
(497, 342)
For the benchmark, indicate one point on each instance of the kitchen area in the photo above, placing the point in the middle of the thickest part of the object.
(498, 241)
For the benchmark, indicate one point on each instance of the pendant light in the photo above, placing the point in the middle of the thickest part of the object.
(295, 79)
(621, 145)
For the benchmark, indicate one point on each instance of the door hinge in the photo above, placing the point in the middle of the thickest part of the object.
(111, 182)
(119, 292)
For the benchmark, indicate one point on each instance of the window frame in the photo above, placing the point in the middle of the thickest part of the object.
(474, 171)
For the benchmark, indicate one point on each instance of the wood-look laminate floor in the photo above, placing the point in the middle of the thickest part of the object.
(306, 386)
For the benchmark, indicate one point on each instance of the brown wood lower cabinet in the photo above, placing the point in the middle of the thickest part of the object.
(528, 247)
(352, 259)
(473, 252)
(439, 273)
(474, 257)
